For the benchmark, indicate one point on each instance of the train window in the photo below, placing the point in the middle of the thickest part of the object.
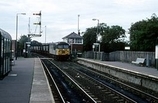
(2, 47)
(63, 46)
(66, 46)
(60, 46)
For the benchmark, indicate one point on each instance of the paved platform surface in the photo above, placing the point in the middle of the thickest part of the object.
(18, 87)
(129, 66)
(41, 92)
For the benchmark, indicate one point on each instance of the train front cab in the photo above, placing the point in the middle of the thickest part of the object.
(5, 61)
(62, 51)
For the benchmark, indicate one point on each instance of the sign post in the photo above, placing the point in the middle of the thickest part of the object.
(94, 47)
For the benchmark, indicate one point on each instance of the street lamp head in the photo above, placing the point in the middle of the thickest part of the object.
(94, 19)
(23, 13)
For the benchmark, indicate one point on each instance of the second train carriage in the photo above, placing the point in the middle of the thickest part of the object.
(5, 60)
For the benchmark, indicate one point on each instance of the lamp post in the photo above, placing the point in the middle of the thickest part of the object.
(97, 34)
(97, 28)
(45, 34)
(78, 25)
(16, 51)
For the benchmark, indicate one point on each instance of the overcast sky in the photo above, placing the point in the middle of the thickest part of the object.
(61, 16)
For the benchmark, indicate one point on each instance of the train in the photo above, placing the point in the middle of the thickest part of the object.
(6, 57)
(57, 50)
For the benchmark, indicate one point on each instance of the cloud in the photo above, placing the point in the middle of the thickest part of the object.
(61, 17)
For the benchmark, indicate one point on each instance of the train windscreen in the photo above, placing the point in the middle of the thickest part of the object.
(63, 46)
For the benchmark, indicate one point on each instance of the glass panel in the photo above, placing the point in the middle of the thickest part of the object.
(1, 52)
(66, 46)
(71, 41)
(60, 46)
(2, 48)
(78, 40)
(4, 56)
(63, 46)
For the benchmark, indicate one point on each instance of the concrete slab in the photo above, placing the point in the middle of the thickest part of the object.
(16, 87)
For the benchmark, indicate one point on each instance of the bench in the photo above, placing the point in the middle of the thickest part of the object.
(140, 61)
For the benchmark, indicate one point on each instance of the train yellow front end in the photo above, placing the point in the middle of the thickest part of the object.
(62, 54)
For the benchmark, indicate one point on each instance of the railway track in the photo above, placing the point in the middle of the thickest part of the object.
(103, 88)
(64, 88)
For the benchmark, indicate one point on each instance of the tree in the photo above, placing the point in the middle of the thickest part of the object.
(143, 34)
(110, 37)
(23, 39)
(89, 38)
(113, 34)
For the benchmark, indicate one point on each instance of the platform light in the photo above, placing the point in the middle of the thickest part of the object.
(16, 51)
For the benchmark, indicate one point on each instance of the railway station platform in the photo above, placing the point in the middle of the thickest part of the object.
(26, 83)
(146, 77)
(150, 71)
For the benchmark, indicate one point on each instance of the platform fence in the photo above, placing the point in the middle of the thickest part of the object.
(123, 56)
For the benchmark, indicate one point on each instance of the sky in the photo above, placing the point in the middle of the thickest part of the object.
(60, 17)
